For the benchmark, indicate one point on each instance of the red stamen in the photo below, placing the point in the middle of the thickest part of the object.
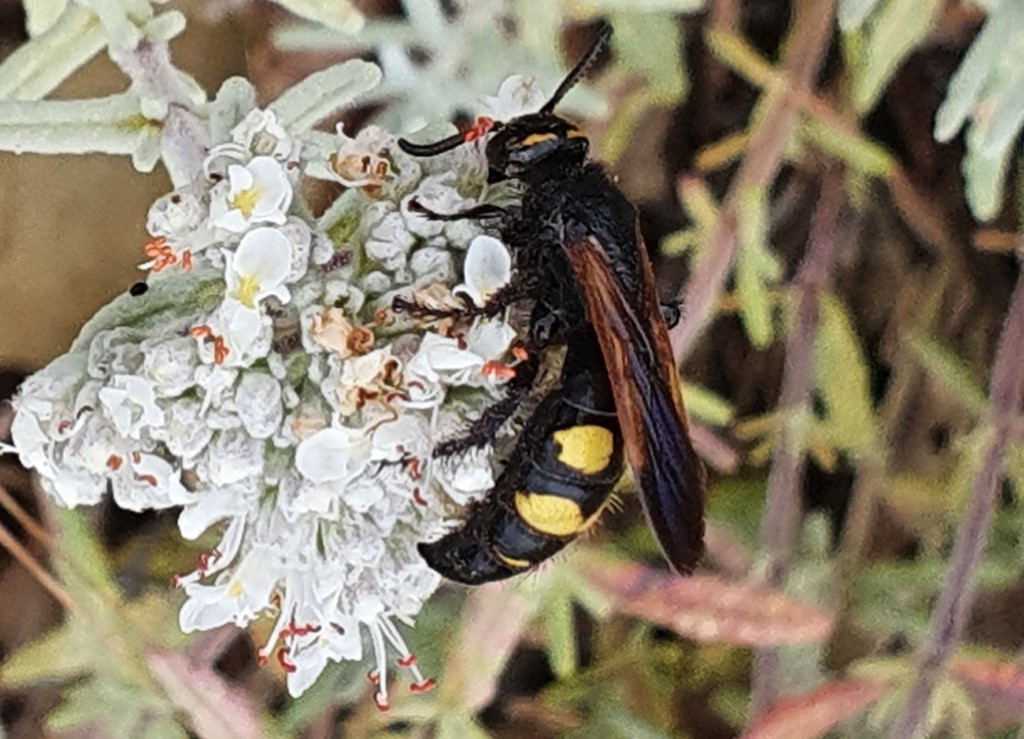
(408, 661)
(200, 332)
(63, 426)
(186, 260)
(114, 462)
(373, 677)
(417, 498)
(136, 457)
(412, 467)
(381, 702)
(261, 658)
(149, 479)
(294, 629)
(282, 659)
(423, 686)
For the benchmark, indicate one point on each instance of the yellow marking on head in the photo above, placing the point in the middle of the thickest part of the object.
(512, 561)
(575, 133)
(587, 449)
(536, 138)
(549, 514)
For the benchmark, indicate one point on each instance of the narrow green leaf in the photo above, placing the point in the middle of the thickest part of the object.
(61, 653)
(892, 34)
(984, 175)
(707, 405)
(841, 375)
(37, 67)
(756, 267)
(942, 364)
(325, 92)
(560, 636)
(459, 725)
(649, 43)
(967, 82)
(860, 153)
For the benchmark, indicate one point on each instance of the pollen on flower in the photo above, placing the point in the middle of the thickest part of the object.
(160, 254)
(246, 289)
(245, 201)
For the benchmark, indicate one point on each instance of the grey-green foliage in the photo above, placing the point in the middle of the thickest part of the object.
(436, 64)
(987, 94)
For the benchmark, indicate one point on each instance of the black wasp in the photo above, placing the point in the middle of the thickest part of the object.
(581, 264)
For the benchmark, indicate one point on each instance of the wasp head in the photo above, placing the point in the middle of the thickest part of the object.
(534, 146)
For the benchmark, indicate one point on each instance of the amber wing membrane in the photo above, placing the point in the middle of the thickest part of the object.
(638, 356)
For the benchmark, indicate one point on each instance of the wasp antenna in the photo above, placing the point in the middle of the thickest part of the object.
(430, 150)
(580, 69)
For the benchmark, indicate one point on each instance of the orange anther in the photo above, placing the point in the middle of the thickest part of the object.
(220, 350)
(114, 462)
(480, 128)
(197, 332)
(186, 260)
(496, 368)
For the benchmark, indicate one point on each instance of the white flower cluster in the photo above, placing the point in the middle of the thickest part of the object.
(263, 384)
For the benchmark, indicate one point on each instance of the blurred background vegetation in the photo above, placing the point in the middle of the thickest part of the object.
(832, 187)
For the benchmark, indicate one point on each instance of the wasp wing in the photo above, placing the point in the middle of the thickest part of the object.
(638, 357)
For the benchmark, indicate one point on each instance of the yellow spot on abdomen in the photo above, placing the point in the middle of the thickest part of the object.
(549, 514)
(512, 561)
(586, 449)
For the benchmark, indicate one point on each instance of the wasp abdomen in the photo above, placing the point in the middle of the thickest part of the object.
(555, 484)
